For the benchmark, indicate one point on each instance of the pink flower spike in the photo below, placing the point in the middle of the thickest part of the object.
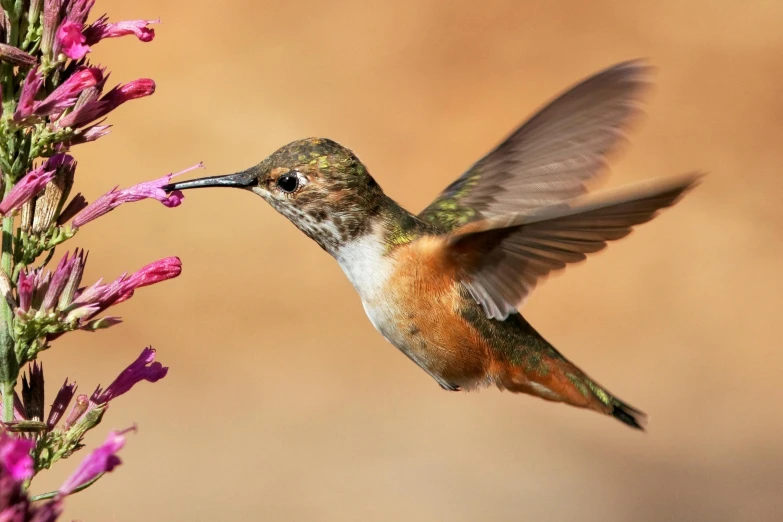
(66, 94)
(102, 460)
(15, 457)
(71, 40)
(31, 184)
(101, 29)
(148, 189)
(32, 84)
(144, 368)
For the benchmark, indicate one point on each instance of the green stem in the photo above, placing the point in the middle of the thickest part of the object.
(9, 364)
(52, 494)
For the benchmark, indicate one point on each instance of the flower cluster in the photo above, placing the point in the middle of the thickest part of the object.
(52, 99)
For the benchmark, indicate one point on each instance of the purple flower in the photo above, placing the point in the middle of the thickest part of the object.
(65, 95)
(95, 109)
(114, 198)
(15, 457)
(144, 368)
(102, 460)
(32, 84)
(101, 29)
(71, 40)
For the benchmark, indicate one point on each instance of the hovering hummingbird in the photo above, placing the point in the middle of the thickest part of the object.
(444, 286)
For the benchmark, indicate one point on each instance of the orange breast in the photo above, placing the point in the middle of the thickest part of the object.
(424, 304)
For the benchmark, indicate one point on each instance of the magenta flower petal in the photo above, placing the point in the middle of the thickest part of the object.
(102, 460)
(15, 456)
(144, 368)
(161, 270)
(115, 198)
(25, 287)
(71, 40)
(65, 95)
(101, 29)
(95, 109)
(32, 84)
(31, 184)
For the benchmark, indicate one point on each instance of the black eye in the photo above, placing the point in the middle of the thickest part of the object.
(288, 182)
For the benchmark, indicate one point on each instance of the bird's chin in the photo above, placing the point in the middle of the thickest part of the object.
(260, 191)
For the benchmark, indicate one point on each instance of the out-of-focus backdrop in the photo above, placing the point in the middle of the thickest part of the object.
(283, 403)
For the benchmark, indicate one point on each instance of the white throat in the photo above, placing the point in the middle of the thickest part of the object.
(364, 262)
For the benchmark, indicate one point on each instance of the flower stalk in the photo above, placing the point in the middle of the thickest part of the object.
(53, 100)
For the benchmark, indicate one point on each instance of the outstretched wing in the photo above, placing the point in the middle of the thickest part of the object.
(500, 260)
(551, 156)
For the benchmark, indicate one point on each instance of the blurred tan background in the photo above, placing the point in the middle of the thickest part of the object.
(283, 403)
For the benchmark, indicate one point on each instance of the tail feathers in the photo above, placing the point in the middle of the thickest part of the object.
(628, 415)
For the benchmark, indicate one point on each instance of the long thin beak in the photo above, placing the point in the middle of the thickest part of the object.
(245, 179)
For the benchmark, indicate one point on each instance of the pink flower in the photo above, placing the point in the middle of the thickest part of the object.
(71, 40)
(32, 84)
(33, 182)
(144, 368)
(160, 270)
(89, 134)
(114, 198)
(65, 95)
(98, 297)
(101, 29)
(95, 109)
(102, 460)
(15, 457)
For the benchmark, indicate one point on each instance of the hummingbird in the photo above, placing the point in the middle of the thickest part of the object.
(444, 286)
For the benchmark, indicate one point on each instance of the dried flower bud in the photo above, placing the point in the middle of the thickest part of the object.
(76, 205)
(33, 392)
(79, 260)
(50, 202)
(34, 11)
(5, 289)
(16, 56)
(51, 21)
(60, 403)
